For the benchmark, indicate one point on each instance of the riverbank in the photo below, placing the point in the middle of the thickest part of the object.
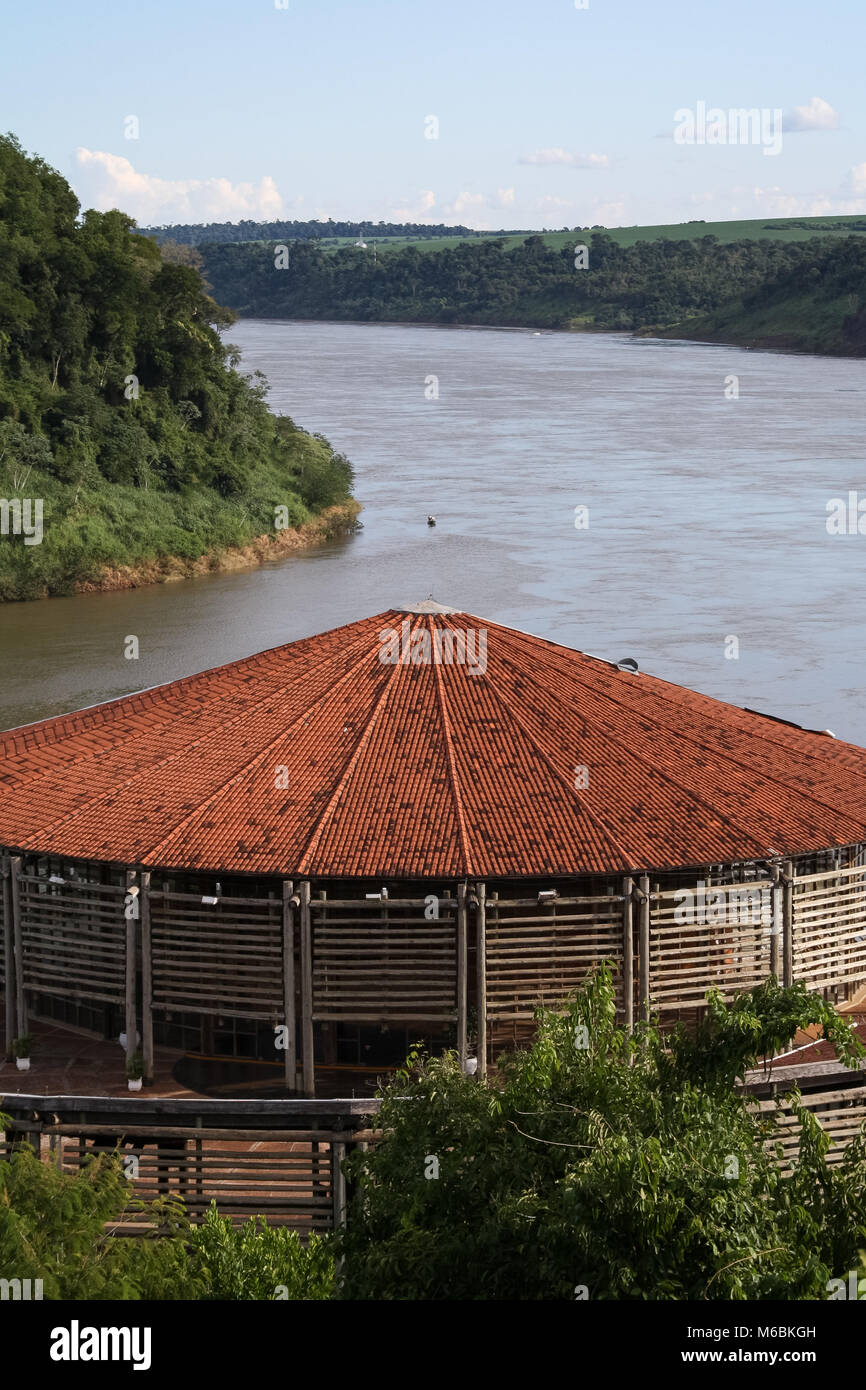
(333, 521)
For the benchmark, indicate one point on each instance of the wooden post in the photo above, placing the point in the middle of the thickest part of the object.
(8, 957)
(146, 979)
(15, 896)
(291, 1059)
(644, 951)
(481, 974)
(461, 974)
(627, 955)
(788, 922)
(338, 1183)
(131, 940)
(777, 928)
(309, 1062)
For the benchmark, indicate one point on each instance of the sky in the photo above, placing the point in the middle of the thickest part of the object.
(487, 113)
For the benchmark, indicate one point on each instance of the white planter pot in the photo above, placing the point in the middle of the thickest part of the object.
(22, 1063)
(134, 1084)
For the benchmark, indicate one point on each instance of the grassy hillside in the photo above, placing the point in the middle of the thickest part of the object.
(817, 308)
(123, 422)
(784, 229)
(386, 238)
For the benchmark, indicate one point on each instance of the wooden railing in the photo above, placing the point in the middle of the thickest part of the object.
(277, 1158)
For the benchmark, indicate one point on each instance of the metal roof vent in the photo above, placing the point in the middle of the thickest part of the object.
(627, 663)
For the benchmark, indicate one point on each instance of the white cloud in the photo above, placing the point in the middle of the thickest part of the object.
(476, 210)
(415, 212)
(572, 161)
(610, 214)
(857, 180)
(818, 114)
(109, 181)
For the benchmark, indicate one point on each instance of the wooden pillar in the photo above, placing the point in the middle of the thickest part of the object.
(481, 974)
(327, 1034)
(461, 974)
(644, 950)
(131, 941)
(8, 956)
(308, 1058)
(338, 1183)
(788, 922)
(18, 947)
(627, 955)
(291, 1058)
(777, 928)
(146, 978)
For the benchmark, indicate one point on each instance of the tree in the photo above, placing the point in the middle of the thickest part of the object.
(605, 1166)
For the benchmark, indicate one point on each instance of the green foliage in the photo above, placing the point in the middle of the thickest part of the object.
(53, 1228)
(135, 1066)
(119, 403)
(58, 1227)
(631, 1167)
(258, 1261)
(643, 285)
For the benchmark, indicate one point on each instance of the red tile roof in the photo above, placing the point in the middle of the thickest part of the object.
(425, 770)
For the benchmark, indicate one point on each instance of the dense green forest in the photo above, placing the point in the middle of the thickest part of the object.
(122, 416)
(645, 286)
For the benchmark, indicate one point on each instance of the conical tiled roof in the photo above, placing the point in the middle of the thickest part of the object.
(425, 769)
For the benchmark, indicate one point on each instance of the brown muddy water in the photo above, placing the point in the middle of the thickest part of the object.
(707, 517)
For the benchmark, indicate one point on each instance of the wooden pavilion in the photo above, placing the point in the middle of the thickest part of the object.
(418, 825)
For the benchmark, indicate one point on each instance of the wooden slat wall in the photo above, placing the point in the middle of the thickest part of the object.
(383, 961)
(840, 1114)
(272, 1175)
(688, 958)
(830, 927)
(217, 957)
(539, 954)
(73, 938)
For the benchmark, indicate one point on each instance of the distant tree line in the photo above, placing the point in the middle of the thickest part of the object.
(196, 234)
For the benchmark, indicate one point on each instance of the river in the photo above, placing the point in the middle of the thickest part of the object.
(706, 521)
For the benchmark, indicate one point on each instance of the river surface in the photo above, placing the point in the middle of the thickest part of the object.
(707, 517)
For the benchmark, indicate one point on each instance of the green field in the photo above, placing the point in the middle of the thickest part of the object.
(759, 228)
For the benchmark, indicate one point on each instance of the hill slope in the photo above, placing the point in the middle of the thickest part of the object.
(817, 307)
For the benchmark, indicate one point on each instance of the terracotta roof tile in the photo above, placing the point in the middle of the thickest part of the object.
(425, 770)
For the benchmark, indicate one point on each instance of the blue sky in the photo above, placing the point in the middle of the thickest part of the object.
(547, 115)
